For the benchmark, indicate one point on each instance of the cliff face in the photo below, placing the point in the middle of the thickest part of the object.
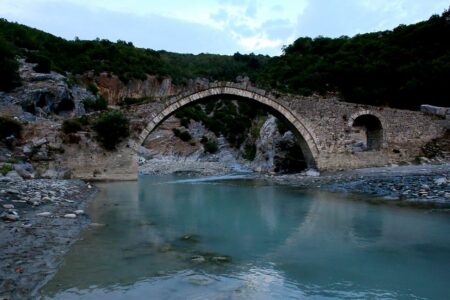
(42, 95)
(114, 90)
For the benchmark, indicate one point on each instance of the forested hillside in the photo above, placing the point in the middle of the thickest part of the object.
(401, 68)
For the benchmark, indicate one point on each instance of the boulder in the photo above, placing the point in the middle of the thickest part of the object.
(435, 110)
(25, 170)
(14, 175)
(312, 172)
(38, 142)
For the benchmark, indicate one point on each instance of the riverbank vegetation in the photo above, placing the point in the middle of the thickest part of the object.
(400, 68)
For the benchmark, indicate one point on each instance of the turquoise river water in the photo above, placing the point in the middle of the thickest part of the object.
(180, 238)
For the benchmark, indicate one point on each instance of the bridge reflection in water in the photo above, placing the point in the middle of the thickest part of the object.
(282, 242)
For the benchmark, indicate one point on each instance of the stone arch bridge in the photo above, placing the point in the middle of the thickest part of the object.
(333, 135)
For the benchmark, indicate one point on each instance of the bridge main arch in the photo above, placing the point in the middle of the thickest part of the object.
(307, 139)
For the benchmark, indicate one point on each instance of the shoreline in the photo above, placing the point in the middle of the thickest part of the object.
(50, 219)
(425, 186)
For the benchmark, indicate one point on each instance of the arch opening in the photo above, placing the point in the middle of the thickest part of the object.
(367, 133)
(299, 157)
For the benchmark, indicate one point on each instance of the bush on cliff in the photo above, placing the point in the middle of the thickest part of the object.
(185, 136)
(9, 77)
(96, 104)
(111, 128)
(71, 126)
(10, 127)
(209, 145)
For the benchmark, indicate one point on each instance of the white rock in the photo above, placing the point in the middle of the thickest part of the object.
(37, 142)
(44, 214)
(8, 206)
(70, 216)
(312, 172)
(440, 181)
(79, 212)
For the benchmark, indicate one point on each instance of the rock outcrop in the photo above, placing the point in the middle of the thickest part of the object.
(43, 94)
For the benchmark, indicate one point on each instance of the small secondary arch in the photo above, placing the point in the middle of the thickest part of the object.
(307, 139)
(367, 131)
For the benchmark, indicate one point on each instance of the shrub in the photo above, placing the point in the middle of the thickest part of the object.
(282, 126)
(176, 132)
(71, 126)
(132, 101)
(92, 87)
(5, 169)
(95, 104)
(111, 128)
(185, 136)
(44, 64)
(211, 147)
(10, 127)
(249, 152)
(9, 76)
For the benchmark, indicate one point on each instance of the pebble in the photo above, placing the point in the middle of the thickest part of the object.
(8, 206)
(70, 216)
(79, 212)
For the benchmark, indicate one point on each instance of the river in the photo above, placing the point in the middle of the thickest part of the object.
(171, 237)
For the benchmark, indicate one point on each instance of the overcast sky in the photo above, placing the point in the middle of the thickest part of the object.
(224, 27)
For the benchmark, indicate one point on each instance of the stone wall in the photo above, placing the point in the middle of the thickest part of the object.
(325, 123)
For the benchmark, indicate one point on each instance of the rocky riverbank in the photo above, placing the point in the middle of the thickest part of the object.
(413, 185)
(40, 219)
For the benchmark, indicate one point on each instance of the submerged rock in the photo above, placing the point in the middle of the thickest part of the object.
(440, 181)
(44, 214)
(10, 216)
(198, 259)
(70, 216)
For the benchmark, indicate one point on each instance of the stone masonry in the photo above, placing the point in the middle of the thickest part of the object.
(323, 125)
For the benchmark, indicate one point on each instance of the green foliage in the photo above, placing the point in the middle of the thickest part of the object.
(96, 104)
(209, 145)
(111, 128)
(282, 126)
(249, 152)
(92, 87)
(230, 118)
(400, 68)
(10, 127)
(5, 169)
(133, 101)
(44, 64)
(71, 126)
(9, 76)
(182, 135)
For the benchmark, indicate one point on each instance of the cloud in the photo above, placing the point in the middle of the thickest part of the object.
(152, 31)
(335, 18)
(216, 26)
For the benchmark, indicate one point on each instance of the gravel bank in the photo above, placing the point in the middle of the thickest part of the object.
(39, 221)
(415, 185)
(185, 167)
